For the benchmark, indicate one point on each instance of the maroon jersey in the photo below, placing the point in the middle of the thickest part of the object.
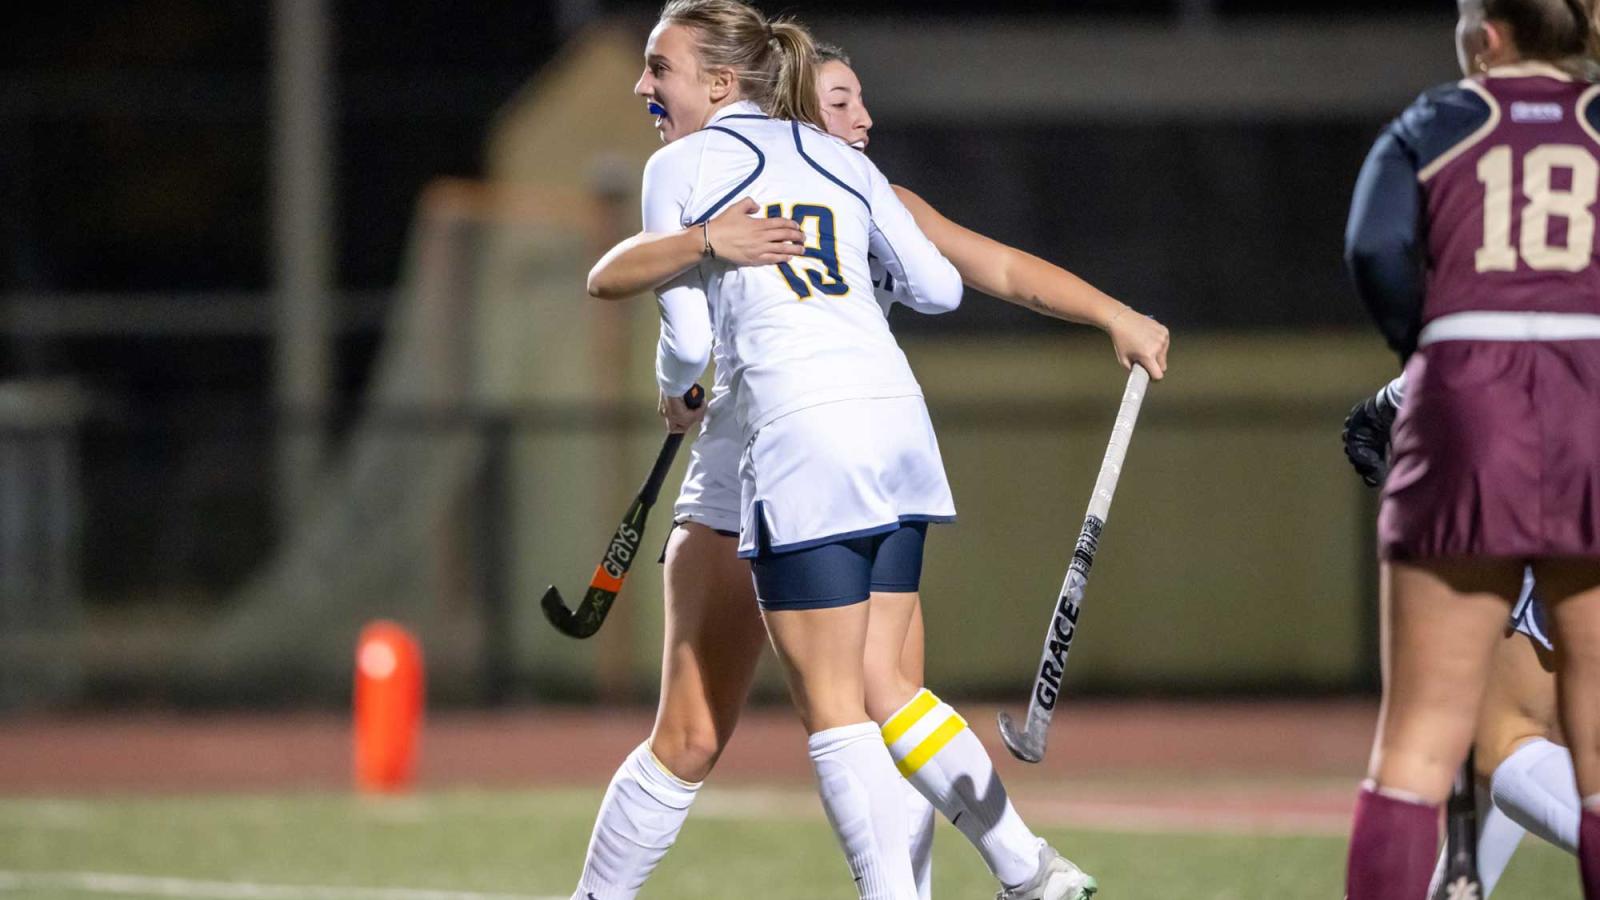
(1475, 217)
(1510, 208)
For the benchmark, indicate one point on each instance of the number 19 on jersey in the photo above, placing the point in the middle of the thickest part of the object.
(826, 280)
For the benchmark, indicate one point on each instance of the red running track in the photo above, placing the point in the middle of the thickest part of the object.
(1161, 741)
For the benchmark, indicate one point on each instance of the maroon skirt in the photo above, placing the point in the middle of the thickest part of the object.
(1496, 453)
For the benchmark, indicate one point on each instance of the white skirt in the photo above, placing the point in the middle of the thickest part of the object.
(840, 470)
(710, 492)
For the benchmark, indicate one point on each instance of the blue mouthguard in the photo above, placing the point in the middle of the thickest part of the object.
(656, 109)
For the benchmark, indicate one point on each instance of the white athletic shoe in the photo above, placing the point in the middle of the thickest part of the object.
(1057, 879)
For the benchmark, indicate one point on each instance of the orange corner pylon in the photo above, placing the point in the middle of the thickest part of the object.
(388, 707)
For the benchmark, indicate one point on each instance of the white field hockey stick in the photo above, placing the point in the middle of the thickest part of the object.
(1028, 744)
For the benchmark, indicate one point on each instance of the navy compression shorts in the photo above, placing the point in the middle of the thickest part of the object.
(843, 572)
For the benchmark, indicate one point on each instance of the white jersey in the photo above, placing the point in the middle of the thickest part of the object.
(710, 491)
(806, 332)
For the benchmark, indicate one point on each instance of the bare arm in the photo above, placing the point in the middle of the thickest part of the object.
(649, 259)
(1018, 277)
(643, 261)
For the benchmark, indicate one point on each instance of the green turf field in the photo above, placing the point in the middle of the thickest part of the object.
(741, 844)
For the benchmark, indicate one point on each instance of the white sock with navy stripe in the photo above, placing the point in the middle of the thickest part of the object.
(942, 758)
(640, 817)
(866, 805)
(920, 819)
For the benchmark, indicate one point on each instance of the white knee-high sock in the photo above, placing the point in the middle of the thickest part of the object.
(639, 818)
(939, 754)
(1537, 788)
(1498, 837)
(866, 805)
(919, 818)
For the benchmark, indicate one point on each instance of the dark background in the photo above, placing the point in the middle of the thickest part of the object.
(134, 154)
(133, 136)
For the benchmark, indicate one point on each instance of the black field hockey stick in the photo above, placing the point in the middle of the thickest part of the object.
(613, 568)
(1028, 743)
(1461, 880)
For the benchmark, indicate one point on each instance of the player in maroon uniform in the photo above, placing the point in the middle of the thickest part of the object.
(1524, 778)
(1472, 241)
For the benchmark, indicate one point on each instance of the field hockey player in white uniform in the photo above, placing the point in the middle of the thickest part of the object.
(840, 472)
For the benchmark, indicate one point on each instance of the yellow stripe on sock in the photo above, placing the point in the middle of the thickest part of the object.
(901, 722)
(935, 742)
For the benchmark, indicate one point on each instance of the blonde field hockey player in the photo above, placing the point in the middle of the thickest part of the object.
(706, 668)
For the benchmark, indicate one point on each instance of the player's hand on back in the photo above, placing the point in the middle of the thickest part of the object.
(679, 417)
(1137, 338)
(1366, 438)
(742, 236)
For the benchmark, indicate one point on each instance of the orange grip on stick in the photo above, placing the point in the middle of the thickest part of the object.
(388, 707)
(605, 581)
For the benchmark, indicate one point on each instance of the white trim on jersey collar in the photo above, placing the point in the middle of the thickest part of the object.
(1529, 70)
(1588, 97)
(1471, 140)
(737, 108)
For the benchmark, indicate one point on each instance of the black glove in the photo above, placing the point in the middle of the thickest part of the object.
(1366, 438)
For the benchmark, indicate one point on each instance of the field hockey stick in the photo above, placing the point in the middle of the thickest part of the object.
(1028, 744)
(1461, 881)
(613, 568)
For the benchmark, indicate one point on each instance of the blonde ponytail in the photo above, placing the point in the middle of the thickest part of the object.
(775, 62)
(794, 90)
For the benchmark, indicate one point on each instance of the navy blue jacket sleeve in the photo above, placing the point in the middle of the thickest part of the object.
(1382, 241)
(1385, 241)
